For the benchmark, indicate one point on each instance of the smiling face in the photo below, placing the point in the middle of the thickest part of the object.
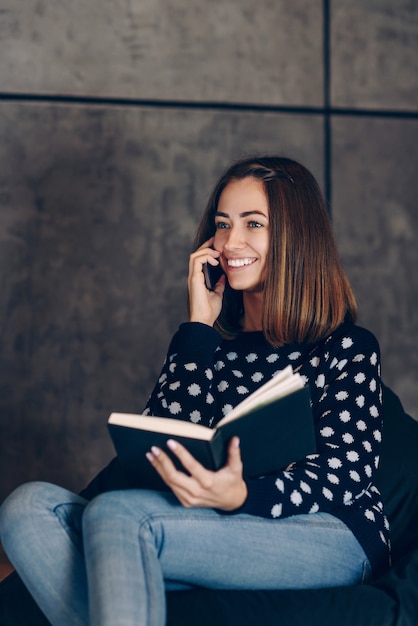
(242, 233)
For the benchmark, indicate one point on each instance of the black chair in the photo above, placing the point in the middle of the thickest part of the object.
(390, 600)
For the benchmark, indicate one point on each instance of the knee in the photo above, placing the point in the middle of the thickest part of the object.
(18, 504)
(111, 510)
(129, 513)
(105, 506)
(25, 503)
(129, 504)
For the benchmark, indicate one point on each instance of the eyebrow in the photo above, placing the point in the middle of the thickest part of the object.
(245, 214)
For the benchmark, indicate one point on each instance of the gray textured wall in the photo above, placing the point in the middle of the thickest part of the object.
(116, 117)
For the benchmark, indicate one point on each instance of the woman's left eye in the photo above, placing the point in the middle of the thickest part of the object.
(254, 224)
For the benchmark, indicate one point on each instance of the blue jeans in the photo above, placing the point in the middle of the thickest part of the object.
(110, 561)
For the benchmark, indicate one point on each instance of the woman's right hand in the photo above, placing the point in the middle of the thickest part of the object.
(205, 305)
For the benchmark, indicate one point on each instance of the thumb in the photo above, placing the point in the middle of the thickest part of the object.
(234, 455)
(220, 285)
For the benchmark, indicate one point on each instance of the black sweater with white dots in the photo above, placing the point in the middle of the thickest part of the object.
(205, 376)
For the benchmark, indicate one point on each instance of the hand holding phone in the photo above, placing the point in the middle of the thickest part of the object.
(212, 274)
(205, 293)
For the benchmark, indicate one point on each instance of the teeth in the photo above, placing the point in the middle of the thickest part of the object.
(240, 262)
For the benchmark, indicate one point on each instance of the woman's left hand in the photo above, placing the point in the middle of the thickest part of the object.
(224, 489)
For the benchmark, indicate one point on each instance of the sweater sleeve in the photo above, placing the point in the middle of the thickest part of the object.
(184, 387)
(346, 394)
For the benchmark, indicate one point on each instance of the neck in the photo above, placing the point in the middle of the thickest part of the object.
(253, 306)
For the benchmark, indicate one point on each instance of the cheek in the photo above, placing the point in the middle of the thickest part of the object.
(266, 254)
(219, 240)
(265, 247)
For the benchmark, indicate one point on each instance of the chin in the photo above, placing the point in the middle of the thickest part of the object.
(246, 285)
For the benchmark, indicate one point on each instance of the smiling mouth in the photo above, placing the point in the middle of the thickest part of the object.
(240, 262)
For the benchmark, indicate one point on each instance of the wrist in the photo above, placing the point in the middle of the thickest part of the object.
(238, 500)
(200, 320)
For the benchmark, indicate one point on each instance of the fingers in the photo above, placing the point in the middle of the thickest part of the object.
(234, 455)
(204, 304)
(186, 459)
(165, 465)
(189, 489)
(168, 471)
(224, 489)
(206, 244)
(199, 258)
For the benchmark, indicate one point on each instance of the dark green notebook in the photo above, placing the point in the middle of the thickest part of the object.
(273, 434)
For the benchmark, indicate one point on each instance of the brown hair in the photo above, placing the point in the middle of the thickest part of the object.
(306, 294)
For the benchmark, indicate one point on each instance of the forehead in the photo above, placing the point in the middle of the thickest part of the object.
(247, 194)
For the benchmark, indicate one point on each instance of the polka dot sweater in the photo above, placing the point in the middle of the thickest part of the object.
(205, 376)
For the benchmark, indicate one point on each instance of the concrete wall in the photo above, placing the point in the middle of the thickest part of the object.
(116, 117)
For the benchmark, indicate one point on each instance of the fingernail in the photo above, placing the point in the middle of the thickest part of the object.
(171, 444)
(236, 442)
(149, 456)
(156, 451)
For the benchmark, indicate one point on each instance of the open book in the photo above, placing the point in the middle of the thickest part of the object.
(274, 424)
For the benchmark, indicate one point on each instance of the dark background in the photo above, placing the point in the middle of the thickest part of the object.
(116, 117)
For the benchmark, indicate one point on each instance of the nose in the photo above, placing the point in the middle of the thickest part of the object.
(235, 239)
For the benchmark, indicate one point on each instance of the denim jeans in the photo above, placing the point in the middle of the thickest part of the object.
(110, 561)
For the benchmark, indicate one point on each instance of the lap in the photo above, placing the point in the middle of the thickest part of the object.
(205, 547)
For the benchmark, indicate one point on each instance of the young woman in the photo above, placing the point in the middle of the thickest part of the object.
(283, 298)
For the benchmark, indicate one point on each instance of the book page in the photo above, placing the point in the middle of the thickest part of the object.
(282, 384)
(165, 425)
(279, 379)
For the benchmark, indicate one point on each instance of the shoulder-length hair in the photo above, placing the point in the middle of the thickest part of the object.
(307, 294)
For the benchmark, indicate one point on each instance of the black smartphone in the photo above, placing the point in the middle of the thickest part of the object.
(212, 274)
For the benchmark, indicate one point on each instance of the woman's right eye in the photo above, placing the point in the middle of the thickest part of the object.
(221, 225)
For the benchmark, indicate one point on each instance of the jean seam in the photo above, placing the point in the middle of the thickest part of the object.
(367, 571)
